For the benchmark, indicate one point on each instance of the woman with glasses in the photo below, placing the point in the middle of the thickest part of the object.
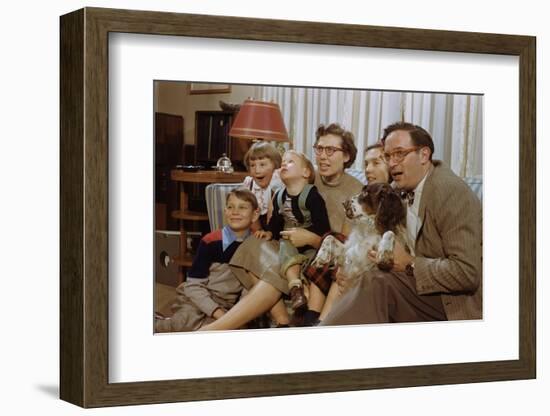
(376, 171)
(256, 262)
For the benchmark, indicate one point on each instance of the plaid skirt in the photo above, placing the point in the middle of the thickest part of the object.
(323, 277)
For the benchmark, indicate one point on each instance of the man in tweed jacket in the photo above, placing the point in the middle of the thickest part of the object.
(442, 279)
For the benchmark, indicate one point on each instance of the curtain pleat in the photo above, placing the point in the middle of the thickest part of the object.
(454, 121)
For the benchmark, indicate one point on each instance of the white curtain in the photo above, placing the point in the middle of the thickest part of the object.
(453, 120)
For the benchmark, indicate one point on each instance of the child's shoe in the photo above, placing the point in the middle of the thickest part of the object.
(297, 297)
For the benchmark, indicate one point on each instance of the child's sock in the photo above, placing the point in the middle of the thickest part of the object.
(311, 318)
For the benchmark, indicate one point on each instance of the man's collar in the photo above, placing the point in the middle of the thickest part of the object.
(229, 237)
(420, 186)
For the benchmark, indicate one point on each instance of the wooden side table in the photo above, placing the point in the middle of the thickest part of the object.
(185, 259)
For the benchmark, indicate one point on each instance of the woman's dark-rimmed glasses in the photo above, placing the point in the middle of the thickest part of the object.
(329, 150)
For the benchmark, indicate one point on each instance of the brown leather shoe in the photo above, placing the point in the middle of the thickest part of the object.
(297, 298)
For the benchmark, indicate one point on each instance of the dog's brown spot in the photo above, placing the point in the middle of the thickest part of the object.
(382, 199)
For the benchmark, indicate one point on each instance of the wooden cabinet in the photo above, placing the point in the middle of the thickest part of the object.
(169, 149)
(169, 152)
(212, 139)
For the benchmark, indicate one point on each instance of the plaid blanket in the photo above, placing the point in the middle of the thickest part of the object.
(323, 277)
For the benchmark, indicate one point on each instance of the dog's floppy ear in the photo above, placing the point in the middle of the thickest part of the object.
(363, 195)
(391, 210)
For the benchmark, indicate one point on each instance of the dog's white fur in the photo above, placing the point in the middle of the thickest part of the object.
(352, 256)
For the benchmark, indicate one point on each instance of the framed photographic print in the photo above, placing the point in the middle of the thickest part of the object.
(122, 71)
(205, 88)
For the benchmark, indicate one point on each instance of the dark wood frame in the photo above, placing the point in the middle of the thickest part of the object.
(84, 207)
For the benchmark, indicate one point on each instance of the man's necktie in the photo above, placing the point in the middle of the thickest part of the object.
(408, 196)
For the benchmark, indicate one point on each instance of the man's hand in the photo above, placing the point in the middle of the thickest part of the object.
(400, 257)
(300, 237)
(264, 235)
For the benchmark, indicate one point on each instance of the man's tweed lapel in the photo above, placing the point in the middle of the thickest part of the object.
(426, 192)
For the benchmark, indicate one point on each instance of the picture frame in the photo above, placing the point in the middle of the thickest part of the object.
(209, 88)
(84, 279)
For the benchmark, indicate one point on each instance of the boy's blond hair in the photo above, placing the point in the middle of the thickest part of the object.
(244, 195)
(261, 150)
(306, 163)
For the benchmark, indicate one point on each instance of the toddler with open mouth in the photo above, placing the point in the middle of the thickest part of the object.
(297, 205)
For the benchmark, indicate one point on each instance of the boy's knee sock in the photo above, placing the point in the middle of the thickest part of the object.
(294, 283)
(311, 317)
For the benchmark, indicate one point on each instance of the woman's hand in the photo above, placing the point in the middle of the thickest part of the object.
(300, 237)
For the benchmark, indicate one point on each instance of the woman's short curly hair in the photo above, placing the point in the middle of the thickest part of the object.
(348, 141)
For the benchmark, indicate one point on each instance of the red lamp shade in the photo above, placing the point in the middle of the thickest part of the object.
(259, 120)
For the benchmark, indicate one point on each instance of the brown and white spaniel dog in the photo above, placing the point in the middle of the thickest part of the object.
(378, 215)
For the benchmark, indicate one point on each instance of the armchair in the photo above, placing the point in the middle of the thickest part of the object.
(217, 192)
